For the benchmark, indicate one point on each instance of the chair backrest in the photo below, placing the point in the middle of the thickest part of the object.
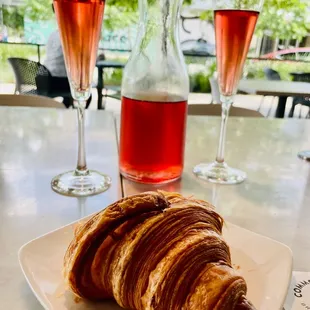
(29, 101)
(215, 90)
(301, 77)
(272, 75)
(216, 110)
(25, 72)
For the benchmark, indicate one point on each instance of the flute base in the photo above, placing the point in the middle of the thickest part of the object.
(75, 184)
(219, 173)
(305, 155)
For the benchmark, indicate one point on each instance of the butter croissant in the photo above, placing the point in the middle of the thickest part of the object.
(155, 250)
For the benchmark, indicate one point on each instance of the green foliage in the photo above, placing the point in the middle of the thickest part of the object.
(254, 69)
(199, 83)
(284, 19)
(207, 15)
(116, 17)
(118, 14)
(248, 4)
(199, 74)
(22, 51)
(279, 18)
(113, 77)
(38, 10)
(129, 6)
(13, 17)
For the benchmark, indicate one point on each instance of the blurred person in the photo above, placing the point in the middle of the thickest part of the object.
(55, 61)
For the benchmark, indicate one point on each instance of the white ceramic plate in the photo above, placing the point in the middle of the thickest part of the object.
(265, 264)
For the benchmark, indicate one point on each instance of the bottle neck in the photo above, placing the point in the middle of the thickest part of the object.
(156, 64)
(159, 20)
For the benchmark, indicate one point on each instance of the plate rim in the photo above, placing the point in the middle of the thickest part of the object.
(286, 248)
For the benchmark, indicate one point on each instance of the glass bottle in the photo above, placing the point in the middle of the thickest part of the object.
(155, 90)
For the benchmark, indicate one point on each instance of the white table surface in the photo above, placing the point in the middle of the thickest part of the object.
(275, 199)
(35, 145)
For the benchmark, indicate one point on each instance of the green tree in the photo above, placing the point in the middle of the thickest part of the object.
(279, 18)
(284, 19)
(118, 17)
(118, 14)
(38, 10)
(13, 17)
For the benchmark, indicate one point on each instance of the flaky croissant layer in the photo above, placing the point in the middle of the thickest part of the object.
(155, 250)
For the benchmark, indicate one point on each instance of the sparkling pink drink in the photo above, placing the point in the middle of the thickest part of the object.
(80, 26)
(234, 30)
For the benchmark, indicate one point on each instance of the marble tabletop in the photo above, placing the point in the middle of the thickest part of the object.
(35, 145)
(275, 199)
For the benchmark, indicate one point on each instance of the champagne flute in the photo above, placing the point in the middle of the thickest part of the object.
(235, 22)
(79, 23)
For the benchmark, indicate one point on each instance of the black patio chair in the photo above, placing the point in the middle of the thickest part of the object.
(33, 78)
(300, 77)
(25, 72)
(273, 75)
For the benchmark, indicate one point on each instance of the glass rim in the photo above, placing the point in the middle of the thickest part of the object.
(247, 5)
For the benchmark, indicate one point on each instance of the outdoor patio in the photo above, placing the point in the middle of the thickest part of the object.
(265, 104)
(132, 177)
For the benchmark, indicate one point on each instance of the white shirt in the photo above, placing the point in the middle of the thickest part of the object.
(54, 61)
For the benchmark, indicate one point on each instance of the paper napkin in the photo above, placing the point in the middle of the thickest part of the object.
(298, 296)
